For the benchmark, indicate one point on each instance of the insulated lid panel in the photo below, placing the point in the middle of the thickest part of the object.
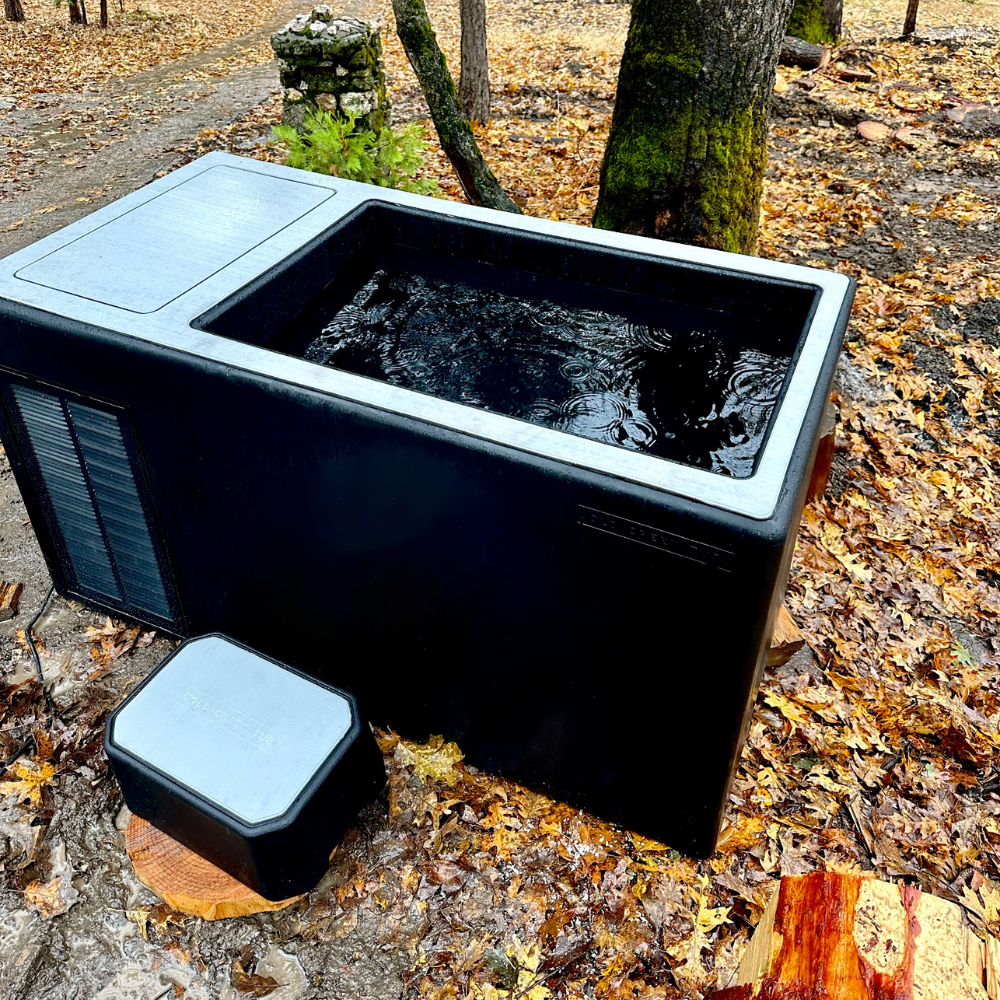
(234, 727)
(145, 258)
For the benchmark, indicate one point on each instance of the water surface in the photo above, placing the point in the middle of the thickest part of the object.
(669, 391)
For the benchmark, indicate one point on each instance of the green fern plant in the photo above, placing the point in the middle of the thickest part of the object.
(332, 145)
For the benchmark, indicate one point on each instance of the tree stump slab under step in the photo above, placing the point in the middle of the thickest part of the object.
(187, 882)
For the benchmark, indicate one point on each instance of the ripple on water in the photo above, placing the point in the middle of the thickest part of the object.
(675, 393)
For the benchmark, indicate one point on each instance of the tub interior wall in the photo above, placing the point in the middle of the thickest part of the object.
(284, 309)
(578, 360)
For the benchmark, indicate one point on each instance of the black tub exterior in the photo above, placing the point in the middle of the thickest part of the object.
(595, 639)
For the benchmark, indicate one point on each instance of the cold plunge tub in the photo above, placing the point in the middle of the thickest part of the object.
(588, 618)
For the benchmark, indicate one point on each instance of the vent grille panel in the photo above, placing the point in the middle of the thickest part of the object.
(94, 503)
(110, 474)
(72, 505)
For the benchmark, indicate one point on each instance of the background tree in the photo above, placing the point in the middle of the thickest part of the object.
(77, 12)
(413, 27)
(13, 10)
(910, 24)
(688, 145)
(817, 21)
(474, 81)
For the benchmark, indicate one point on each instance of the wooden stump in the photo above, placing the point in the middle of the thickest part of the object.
(850, 937)
(187, 882)
(786, 641)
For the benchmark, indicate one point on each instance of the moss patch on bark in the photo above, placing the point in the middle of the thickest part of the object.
(697, 180)
(685, 160)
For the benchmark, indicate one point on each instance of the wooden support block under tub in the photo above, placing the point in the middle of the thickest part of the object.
(786, 641)
(852, 937)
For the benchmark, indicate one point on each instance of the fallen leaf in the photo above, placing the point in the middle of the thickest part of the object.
(159, 917)
(711, 917)
(795, 715)
(53, 898)
(250, 984)
(28, 780)
(874, 131)
(911, 138)
(46, 899)
(434, 759)
(958, 114)
(898, 102)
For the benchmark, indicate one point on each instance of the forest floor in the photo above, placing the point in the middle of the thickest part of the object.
(875, 750)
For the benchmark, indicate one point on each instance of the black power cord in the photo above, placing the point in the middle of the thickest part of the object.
(20, 751)
(29, 638)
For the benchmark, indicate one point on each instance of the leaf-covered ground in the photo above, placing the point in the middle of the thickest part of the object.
(874, 752)
(46, 54)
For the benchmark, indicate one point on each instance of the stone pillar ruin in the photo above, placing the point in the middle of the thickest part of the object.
(332, 63)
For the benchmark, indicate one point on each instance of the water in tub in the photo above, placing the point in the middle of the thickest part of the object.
(675, 393)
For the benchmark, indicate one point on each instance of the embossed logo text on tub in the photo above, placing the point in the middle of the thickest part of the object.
(657, 538)
(230, 720)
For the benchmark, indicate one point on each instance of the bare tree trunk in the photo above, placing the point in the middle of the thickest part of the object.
(104, 13)
(13, 10)
(420, 44)
(910, 24)
(816, 21)
(688, 145)
(474, 82)
(75, 13)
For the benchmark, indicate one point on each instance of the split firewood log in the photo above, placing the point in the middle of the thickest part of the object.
(796, 52)
(10, 597)
(187, 882)
(850, 937)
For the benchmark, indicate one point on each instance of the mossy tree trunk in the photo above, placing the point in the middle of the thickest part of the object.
(816, 21)
(13, 10)
(474, 81)
(688, 145)
(420, 44)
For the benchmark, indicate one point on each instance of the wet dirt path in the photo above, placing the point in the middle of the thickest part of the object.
(68, 154)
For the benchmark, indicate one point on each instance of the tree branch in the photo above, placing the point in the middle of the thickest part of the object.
(415, 32)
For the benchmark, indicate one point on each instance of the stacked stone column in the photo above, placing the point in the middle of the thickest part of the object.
(332, 63)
